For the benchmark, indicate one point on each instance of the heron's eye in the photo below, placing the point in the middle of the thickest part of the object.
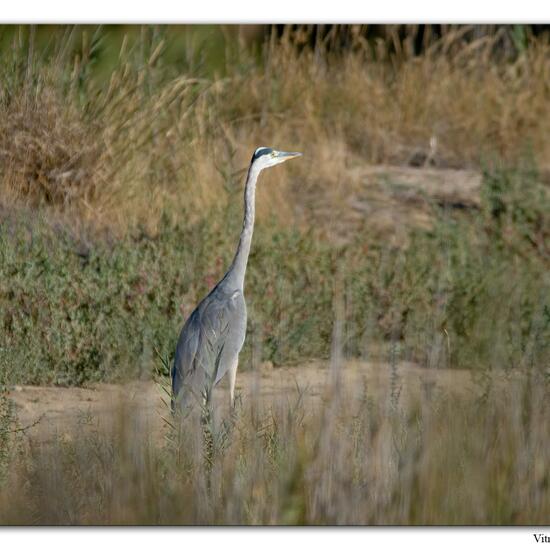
(273, 154)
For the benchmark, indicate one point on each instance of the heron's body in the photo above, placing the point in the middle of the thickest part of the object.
(211, 339)
(209, 344)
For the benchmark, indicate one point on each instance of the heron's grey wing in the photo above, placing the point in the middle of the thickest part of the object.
(210, 338)
(222, 319)
(186, 351)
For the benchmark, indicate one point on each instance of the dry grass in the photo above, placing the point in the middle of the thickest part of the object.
(149, 141)
(365, 454)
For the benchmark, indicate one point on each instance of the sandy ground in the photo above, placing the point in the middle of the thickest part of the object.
(51, 411)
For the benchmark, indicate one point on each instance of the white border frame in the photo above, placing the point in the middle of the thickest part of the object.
(274, 11)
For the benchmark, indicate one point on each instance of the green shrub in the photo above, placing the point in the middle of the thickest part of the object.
(471, 292)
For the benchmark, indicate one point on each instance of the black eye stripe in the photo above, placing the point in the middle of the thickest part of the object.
(262, 151)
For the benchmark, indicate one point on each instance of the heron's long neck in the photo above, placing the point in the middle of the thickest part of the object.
(238, 267)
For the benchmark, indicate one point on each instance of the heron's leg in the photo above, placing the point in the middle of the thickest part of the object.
(232, 377)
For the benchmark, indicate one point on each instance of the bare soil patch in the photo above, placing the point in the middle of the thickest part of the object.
(66, 412)
(391, 199)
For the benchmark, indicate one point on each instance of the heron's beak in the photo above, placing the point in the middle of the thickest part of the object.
(283, 156)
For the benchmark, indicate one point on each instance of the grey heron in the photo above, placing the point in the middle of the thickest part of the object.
(212, 337)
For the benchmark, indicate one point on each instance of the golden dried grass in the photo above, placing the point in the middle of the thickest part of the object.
(145, 145)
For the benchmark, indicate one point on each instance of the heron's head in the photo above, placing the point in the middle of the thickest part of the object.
(264, 157)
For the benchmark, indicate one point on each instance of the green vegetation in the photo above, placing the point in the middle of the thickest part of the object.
(76, 310)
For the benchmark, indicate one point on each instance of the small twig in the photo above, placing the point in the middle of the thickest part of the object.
(25, 428)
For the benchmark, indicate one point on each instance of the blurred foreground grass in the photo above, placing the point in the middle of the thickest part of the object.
(364, 455)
